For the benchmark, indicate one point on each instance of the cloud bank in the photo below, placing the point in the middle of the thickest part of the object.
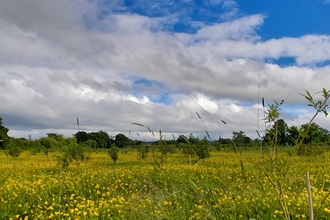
(66, 59)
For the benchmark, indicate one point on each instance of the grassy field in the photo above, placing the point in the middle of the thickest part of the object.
(33, 187)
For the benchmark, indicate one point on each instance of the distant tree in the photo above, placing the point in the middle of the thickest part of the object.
(71, 141)
(327, 138)
(81, 136)
(121, 140)
(293, 135)
(256, 141)
(48, 142)
(54, 135)
(315, 134)
(282, 133)
(241, 138)
(192, 139)
(167, 142)
(182, 139)
(90, 143)
(170, 141)
(20, 142)
(282, 128)
(3, 134)
(60, 140)
(102, 138)
(137, 142)
(224, 140)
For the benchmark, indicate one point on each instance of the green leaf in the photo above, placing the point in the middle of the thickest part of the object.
(325, 112)
(325, 93)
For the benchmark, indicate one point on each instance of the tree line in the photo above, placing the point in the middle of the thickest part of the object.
(288, 135)
(285, 137)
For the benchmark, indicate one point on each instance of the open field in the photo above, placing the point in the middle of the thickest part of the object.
(33, 187)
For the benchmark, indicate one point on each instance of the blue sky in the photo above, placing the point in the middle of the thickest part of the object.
(290, 18)
(282, 18)
(157, 63)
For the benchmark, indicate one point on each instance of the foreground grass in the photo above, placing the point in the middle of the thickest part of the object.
(33, 187)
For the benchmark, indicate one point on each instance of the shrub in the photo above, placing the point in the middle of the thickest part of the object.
(113, 153)
(202, 149)
(143, 150)
(15, 151)
(73, 153)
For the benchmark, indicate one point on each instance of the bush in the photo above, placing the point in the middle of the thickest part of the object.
(310, 150)
(15, 151)
(203, 150)
(72, 154)
(143, 150)
(113, 153)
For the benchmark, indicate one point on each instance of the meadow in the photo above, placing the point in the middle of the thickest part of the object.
(34, 187)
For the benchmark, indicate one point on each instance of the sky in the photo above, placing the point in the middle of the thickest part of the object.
(111, 63)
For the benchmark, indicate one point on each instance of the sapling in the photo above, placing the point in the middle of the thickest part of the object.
(113, 153)
(319, 106)
(158, 160)
(277, 166)
(280, 168)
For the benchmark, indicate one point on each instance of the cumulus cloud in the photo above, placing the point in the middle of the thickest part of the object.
(66, 59)
(239, 29)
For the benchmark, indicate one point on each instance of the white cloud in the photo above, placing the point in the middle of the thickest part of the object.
(59, 62)
(240, 29)
(207, 104)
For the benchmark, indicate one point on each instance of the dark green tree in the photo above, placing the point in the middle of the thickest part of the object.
(315, 134)
(240, 138)
(282, 133)
(3, 135)
(192, 139)
(102, 138)
(122, 141)
(81, 136)
(320, 106)
(182, 139)
(224, 140)
(293, 135)
(54, 135)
